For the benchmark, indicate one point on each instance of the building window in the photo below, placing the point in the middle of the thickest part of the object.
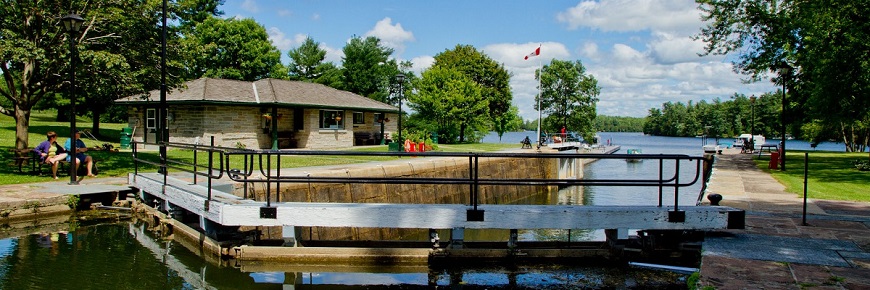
(378, 117)
(330, 119)
(358, 118)
(151, 119)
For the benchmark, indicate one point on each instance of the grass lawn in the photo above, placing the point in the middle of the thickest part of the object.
(830, 175)
(120, 163)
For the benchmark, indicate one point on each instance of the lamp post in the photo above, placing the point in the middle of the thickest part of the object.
(752, 108)
(400, 79)
(784, 73)
(72, 24)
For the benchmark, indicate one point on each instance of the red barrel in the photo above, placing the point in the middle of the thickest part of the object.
(774, 160)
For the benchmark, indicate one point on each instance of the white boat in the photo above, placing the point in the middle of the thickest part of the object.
(744, 139)
(712, 149)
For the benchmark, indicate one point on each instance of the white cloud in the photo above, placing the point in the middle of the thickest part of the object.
(392, 36)
(422, 63)
(315, 16)
(284, 13)
(633, 15)
(333, 55)
(670, 49)
(279, 39)
(250, 6)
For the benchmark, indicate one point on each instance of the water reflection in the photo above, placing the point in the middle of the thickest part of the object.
(130, 255)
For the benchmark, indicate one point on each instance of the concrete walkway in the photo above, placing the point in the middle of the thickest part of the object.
(776, 251)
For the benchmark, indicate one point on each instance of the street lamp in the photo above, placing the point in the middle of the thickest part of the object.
(400, 79)
(785, 71)
(72, 24)
(752, 108)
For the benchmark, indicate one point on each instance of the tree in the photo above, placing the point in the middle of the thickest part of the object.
(493, 78)
(367, 68)
(826, 43)
(568, 96)
(451, 100)
(231, 49)
(116, 46)
(307, 64)
(509, 121)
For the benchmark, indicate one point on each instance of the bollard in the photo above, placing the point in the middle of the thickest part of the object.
(714, 198)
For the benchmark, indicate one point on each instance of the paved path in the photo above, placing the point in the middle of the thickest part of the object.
(776, 251)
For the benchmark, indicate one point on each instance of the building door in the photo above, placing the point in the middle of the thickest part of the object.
(151, 126)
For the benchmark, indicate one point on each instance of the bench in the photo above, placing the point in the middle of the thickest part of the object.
(363, 138)
(28, 157)
(286, 139)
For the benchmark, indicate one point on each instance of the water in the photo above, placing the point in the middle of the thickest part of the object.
(638, 139)
(126, 255)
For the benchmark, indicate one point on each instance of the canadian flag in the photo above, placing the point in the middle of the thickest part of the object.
(536, 53)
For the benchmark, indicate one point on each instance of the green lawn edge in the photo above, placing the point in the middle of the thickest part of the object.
(830, 175)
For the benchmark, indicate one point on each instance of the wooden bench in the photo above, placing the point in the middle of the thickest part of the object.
(27, 157)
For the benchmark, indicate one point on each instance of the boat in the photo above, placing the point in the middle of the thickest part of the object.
(633, 152)
(712, 149)
(744, 140)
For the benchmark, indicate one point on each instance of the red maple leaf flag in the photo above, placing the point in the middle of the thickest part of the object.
(535, 53)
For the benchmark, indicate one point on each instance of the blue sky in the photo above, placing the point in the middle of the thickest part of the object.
(640, 51)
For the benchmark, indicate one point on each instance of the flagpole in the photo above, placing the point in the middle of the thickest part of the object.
(539, 99)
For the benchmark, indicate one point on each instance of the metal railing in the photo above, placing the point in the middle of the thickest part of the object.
(261, 162)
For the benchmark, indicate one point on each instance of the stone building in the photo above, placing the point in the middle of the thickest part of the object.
(264, 114)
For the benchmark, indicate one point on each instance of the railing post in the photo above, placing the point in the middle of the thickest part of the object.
(278, 183)
(210, 170)
(677, 216)
(135, 160)
(474, 214)
(195, 150)
(661, 181)
(269, 179)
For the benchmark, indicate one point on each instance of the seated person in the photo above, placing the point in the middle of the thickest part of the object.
(50, 152)
(80, 153)
(527, 143)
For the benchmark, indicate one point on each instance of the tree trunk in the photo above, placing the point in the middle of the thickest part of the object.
(22, 125)
(95, 124)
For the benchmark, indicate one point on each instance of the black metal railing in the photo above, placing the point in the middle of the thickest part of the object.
(261, 162)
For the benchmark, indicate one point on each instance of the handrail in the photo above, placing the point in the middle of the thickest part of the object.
(271, 176)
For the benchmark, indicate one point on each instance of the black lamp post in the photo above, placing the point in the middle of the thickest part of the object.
(752, 108)
(72, 24)
(400, 79)
(784, 73)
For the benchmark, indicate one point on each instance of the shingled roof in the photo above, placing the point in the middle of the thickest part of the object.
(265, 92)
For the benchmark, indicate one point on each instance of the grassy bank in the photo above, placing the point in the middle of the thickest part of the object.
(113, 164)
(830, 175)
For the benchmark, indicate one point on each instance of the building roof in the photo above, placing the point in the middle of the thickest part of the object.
(265, 92)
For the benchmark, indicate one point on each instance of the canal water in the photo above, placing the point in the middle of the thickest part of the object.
(125, 254)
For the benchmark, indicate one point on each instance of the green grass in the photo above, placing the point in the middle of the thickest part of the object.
(113, 164)
(830, 175)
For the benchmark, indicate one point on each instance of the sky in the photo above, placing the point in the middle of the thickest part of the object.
(640, 51)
